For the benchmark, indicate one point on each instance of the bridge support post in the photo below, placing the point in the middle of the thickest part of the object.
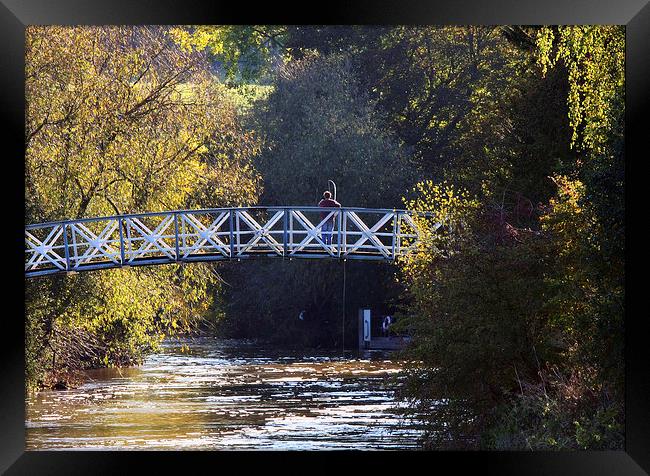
(232, 236)
(176, 233)
(395, 218)
(338, 238)
(65, 245)
(285, 234)
(343, 246)
(120, 226)
(397, 235)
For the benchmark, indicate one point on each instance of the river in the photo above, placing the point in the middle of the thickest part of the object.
(227, 395)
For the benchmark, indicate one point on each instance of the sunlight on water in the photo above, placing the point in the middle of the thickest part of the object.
(226, 395)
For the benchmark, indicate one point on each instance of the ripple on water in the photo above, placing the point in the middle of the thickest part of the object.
(226, 395)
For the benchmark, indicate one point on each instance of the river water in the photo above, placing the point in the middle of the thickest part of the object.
(227, 395)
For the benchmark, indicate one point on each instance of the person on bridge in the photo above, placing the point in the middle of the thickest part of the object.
(328, 226)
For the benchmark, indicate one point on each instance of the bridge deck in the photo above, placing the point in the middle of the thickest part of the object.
(218, 234)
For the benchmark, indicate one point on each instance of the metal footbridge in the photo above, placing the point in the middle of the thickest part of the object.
(218, 234)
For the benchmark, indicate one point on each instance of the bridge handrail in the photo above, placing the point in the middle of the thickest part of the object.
(226, 233)
(222, 209)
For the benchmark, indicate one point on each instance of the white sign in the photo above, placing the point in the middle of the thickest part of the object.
(366, 325)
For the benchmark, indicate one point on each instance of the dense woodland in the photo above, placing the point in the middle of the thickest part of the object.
(513, 136)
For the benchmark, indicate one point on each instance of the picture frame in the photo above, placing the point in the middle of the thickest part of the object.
(15, 15)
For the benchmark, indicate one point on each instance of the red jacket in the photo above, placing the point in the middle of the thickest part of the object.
(329, 203)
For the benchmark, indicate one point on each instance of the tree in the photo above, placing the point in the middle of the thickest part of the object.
(595, 59)
(318, 125)
(476, 294)
(119, 120)
(245, 52)
(518, 322)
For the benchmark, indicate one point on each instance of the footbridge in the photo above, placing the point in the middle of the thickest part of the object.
(219, 234)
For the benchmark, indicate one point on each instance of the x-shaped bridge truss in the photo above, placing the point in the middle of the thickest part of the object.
(218, 234)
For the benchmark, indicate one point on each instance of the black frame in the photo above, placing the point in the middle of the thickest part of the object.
(15, 15)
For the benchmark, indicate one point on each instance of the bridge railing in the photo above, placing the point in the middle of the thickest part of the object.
(218, 234)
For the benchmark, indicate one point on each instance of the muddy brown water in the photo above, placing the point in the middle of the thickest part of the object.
(228, 395)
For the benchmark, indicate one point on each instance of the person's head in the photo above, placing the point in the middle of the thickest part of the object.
(327, 194)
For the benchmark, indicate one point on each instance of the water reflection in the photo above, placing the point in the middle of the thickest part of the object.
(226, 395)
